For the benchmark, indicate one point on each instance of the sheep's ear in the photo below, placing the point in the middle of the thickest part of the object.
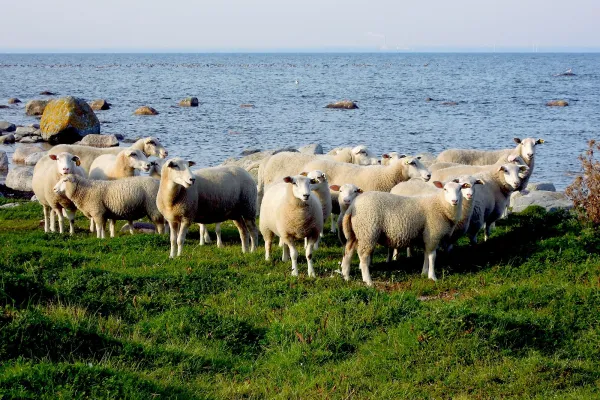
(288, 179)
(539, 141)
(455, 180)
(77, 160)
(402, 156)
(386, 156)
(335, 188)
(517, 140)
(512, 158)
(465, 186)
(191, 163)
(523, 168)
(359, 190)
(171, 164)
(304, 173)
(438, 184)
(479, 182)
(502, 168)
(53, 157)
(418, 157)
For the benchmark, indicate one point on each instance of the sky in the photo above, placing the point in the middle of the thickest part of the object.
(306, 25)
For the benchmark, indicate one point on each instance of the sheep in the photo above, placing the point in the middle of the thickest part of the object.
(124, 164)
(122, 199)
(206, 196)
(156, 167)
(399, 221)
(46, 173)
(150, 146)
(321, 190)
(493, 196)
(290, 211)
(392, 155)
(359, 155)
(346, 195)
(525, 149)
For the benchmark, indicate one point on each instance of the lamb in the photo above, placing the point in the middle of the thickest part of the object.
(123, 199)
(124, 164)
(346, 195)
(150, 146)
(47, 172)
(398, 221)
(290, 211)
(206, 196)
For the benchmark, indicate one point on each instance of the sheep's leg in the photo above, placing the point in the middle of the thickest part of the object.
(183, 228)
(294, 257)
(333, 224)
(268, 236)
(253, 232)
(280, 242)
(365, 261)
(243, 230)
(286, 251)
(71, 217)
(202, 229)
(309, 251)
(218, 233)
(390, 255)
(316, 245)
(52, 221)
(431, 273)
(174, 229)
(111, 226)
(60, 218)
(408, 252)
(91, 225)
(131, 227)
(347, 259)
(47, 211)
(487, 232)
(99, 224)
(160, 226)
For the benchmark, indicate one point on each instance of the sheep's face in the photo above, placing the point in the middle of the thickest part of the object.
(301, 186)
(362, 156)
(65, 162)
(452, 192)
(156, 167)
(178, 170)
(61, 185)
(527, 147)
(348, 193)
(415, 168)
(388, 157)
(469, 185)
(137, 159)
(512, 174)
(152, 147)
(318, 176)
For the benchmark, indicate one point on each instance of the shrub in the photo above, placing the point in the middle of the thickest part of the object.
(585, 190)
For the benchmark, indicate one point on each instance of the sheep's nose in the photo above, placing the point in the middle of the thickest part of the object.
(454, 202)
(469, 196)
(306, 196)
(529, 155)
(66, 170)
(192, 180)
(165, 153)
(428, 177)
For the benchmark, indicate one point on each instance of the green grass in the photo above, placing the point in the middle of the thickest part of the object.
(518, 316)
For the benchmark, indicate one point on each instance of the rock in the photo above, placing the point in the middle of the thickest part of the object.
(247, 105)
(557, 103)
(314, 148)
(31, 139)
(247, 152)
(101, 104)
(119, 136)
(345, 104)
(21, 153)
(47, 93)
(67, 120)
(22, 131)
(3, 161)
(100, 141)
(545, 186)
(33, 158)
(9, 205)
(428, 99)
(6, 126)
(19, 178)
(189, 102)
(140, 227)
(13, 100)
(551, 201)
(145, 110)
(7, 139)
(3, 106)
(449, 103)
(36, 126)
(35, 107)
(34, 198)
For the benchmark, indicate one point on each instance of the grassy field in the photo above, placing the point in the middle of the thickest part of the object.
(518, 316)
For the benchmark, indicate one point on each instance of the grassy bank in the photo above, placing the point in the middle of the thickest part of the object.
(518, 316)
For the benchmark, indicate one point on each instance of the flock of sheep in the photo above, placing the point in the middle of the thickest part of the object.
(397, 201)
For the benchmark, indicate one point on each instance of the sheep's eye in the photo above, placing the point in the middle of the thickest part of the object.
(413, 163)
(174, 166)
(313, 181)
(152, 143)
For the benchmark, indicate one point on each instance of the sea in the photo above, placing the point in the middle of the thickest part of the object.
(498, 97)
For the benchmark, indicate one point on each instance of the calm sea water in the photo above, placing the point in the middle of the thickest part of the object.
(499, 96)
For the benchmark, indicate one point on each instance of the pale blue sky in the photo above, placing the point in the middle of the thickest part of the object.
(242, 25)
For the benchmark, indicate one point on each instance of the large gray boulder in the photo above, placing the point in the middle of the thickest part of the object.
(3, 161)
(33, 158)
(31, 139)
(6, 126)
(551, 201)
(21, 153)
(547, 186)
(100, 141)
(67, 120)
(313, 148)
(19, 178)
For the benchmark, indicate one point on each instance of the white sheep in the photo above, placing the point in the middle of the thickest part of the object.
(359, 155)
(290, 210)
(126, 199)
(392, 155)
(321, 190)
(345, 196)
(122, 165)
(398, 221)
(206, 196)
(150, 146)
(46, 173)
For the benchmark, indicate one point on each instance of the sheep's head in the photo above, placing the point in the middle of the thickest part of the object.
(301, 186)
(152, 147)
(178, 171)
(137, 159)
(526, 147)
(318, 176)
(452, 191)
(65, 162)
(61, 185)
(415, 168)
(362, 156)
(156, 167)
(348, 192)
(388, 157)
(512, 174)
(469, 185)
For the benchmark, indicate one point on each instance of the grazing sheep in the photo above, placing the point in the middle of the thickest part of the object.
(150, 146)
(206, 196)
(290, 211)
(47, 172)
(126, 199)
(345, 195)
(123, 165)
(398, 221)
